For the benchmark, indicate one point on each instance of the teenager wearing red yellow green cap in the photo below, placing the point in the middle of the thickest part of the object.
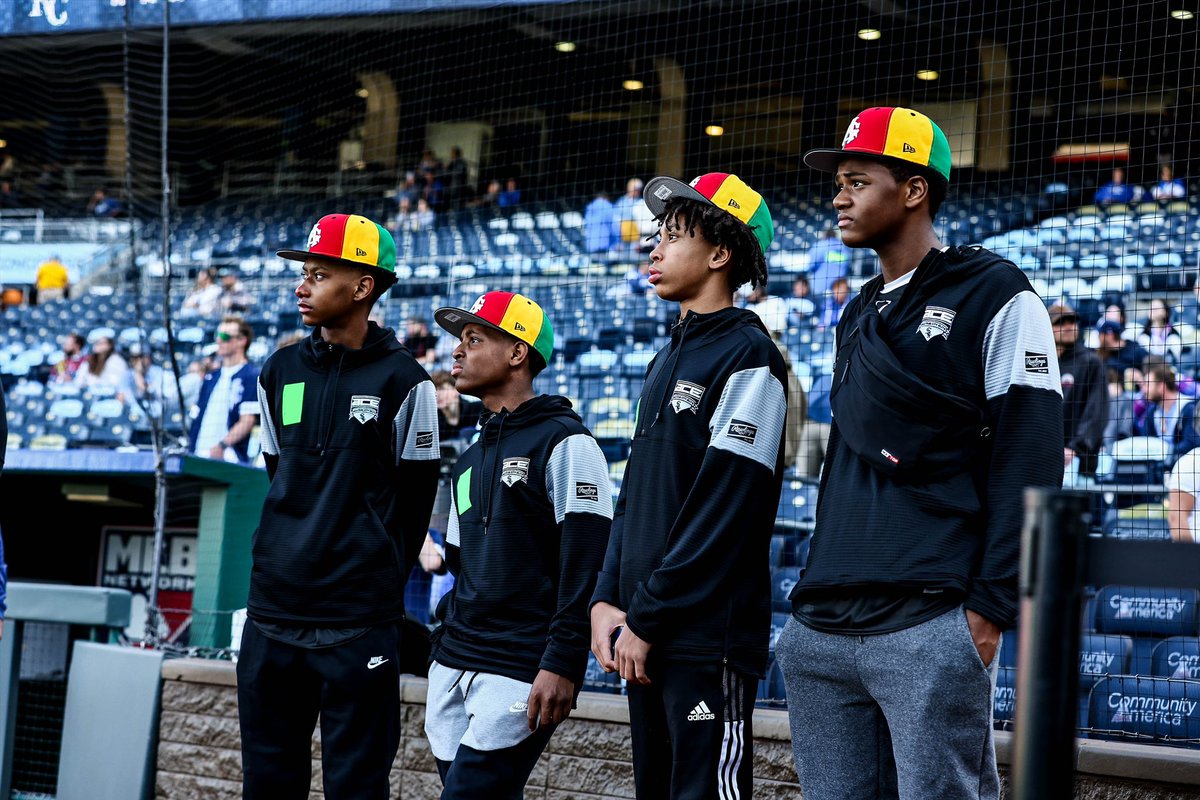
(350, 438)
(685, 587)
(947, 404)
(529, 519)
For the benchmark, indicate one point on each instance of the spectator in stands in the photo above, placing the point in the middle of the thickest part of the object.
(1168, 187)
(1158, 336)
(1084, 389)
(420, 342)
(429, 163)
(1123, 392)
(1117, 190)
(192, 379)
(511, 196)
(101, 205)
(912, 576)
(406, 216)
(457, 178)
(815, 439)
(1116, 352)
(341, 529)
(9, 198)
(424, 216)
(800, 305)
(491, 196)
(73, 358)
(697, 507)
(104, 369)
(457, 417)
(234, 299)
(1167, 414)
(431, 188)
(597, 224)
(631, 219)
(835, 304)
(1183, 486)
(203, 298)
(525, 542)
(828, 260)
(771, 309)
(52, 281)
(1189, 313)
(228, 406)
(409, 190)
(150, 386)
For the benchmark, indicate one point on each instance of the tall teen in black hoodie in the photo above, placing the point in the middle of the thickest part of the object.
(349, 432)
(530, 516)
(686, 579)
(946, 405)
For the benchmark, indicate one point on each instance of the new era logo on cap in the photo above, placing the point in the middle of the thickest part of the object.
(908, 148)
(348, 239)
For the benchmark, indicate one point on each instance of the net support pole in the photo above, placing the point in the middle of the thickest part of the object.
(1053, 553)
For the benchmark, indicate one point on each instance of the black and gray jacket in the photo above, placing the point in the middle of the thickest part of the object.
(969, 328)
(688, 556)
(530, 514)
(351, 444)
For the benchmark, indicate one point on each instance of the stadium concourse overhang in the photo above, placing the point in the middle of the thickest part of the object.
(86, 518)
(550, 79)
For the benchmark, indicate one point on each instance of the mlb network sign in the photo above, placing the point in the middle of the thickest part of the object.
(127, 560)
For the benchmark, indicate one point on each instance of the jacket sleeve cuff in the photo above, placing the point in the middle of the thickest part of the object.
(995, 604)
(643, 625)
(606, 590)
(571, 666)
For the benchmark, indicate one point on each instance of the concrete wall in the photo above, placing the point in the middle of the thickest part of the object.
(588, 757)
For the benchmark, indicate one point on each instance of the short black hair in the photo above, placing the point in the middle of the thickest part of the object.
(938, 185)
(747, 263)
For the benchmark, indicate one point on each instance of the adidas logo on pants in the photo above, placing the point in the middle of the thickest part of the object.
(701, 713)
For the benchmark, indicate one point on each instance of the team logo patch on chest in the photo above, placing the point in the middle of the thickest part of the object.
(364, 407)
(686, 397)
(514, 469)
(936, 322)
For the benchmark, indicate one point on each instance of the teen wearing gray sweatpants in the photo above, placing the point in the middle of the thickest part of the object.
(908, 714)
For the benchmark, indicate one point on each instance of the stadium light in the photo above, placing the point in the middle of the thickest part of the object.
(3, 143)
(869, 34)
(927, 74)
(564, 47)
(1183, 14)
(363, 93)
(715, 130)
(633, 85)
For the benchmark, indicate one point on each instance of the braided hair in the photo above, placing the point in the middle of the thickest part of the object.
(747, 263)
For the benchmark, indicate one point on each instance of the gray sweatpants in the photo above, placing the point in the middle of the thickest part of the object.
(896, 715)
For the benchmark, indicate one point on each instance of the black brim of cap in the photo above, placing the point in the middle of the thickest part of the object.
(304, 255)
(453, 320)
(675, 187)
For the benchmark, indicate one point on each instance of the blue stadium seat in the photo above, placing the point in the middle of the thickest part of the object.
(1143, 611)
(1004, 698)
(1176, 657)
(782, 581)
(1127, 707)
(1102, 654)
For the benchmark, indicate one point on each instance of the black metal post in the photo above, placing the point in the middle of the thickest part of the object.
(1053, 551)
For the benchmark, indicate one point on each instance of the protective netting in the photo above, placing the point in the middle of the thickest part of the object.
(504, 144)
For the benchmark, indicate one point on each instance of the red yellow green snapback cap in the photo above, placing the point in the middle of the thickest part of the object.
(889, 133)
(727, 192)
(515, 314)
(349, 239)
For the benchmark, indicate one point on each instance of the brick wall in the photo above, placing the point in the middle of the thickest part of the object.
(587, 759)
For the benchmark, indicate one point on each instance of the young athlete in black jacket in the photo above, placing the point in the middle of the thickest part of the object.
(946, 405)
(349, 433)
(686, 579)
(530, 516)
